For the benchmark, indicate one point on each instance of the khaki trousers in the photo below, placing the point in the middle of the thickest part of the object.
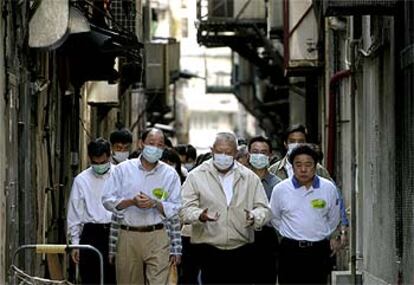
(142, 257)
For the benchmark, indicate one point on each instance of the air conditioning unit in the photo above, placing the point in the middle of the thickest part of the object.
(301, 33)
(156, 77)
(101, 93)
(345, 278)
(358, 7)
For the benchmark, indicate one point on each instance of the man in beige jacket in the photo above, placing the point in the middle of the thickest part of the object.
(225, 202)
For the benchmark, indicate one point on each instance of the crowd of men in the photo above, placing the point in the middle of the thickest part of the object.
(225, 217)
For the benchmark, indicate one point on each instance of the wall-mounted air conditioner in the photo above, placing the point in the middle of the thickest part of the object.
(300, 36)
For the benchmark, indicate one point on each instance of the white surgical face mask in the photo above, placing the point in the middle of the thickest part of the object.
(291, 147)
(120, 156)
(189, 165)
(101, 169)
(152, 153)
(223, 161)
(259, 160)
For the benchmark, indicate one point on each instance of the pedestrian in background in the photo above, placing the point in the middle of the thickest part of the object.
(146, 190)
(87, 220)
(224, 202)
(306, 212)
(266, 243)
(121, 141)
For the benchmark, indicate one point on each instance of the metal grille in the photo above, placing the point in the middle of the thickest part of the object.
(358, 7)
(124, 13)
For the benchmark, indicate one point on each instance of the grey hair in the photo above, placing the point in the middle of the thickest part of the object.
(226, 137)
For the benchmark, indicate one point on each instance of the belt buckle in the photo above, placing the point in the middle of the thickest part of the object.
(305, 243)
(152, 228)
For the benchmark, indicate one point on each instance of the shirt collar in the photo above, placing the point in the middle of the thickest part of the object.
(315, 182)
(141, 167)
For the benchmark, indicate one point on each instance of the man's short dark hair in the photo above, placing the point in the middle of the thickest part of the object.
(296, 128)
(260, 139)
(144, 135)
(99, 147)
(123, 136)
(304, 149)
(191, 152)
(187, 150)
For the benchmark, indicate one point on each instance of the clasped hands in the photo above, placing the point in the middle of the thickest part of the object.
(143, 201)
(205, 217)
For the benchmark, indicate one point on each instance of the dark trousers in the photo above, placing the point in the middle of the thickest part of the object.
(96, 235)
(190, 265)
(225, 266)
(265, 256)
(304, 262)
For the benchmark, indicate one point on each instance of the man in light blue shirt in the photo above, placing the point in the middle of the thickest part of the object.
(305, 212)
(145, 191)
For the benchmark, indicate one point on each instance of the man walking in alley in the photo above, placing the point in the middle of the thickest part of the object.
(305, 212)
(266, 244)
(146, 191)
(87, 219)
(121, 141)
(295, 135)
(224, 202)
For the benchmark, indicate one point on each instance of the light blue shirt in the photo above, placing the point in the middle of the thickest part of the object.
(130, 178)
(305, 214)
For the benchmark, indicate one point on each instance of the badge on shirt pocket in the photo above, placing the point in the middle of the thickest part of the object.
(160, 193)
(318, 203)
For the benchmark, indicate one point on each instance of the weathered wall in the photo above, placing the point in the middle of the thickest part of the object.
(2, 158)
(376, 123)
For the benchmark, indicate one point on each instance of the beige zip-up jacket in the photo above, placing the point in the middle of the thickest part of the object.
(203, 189)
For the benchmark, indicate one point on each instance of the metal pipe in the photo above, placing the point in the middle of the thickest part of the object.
(353, 244)
(335, 79)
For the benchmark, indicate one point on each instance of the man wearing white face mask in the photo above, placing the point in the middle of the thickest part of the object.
(121, 141)
(224, 202)
(145, 191)
(294, 136)
(266, 244)
(87, 219)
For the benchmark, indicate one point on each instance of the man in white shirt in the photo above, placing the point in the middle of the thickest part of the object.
(87, 219)
(224, 202)
(305, 212)
(145, 191)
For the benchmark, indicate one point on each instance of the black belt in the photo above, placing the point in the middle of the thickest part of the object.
(143, 229)
(96, 226)
(304, 243)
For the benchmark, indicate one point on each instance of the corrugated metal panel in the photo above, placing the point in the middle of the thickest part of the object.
(358, 7)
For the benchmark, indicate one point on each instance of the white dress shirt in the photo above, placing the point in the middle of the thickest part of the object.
(305, 214)
(226, 181)
(130, 178)
(85, 203)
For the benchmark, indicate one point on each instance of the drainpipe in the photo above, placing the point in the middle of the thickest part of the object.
(336, 78)
(353, 243)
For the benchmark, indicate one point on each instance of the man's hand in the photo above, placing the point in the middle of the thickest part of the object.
(335, 246)
(204, 217)
(75, 255)
(249, 218)
(175, 259)
(142, 201)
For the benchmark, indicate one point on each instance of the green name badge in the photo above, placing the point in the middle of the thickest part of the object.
(318, 203)
(160, 194)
